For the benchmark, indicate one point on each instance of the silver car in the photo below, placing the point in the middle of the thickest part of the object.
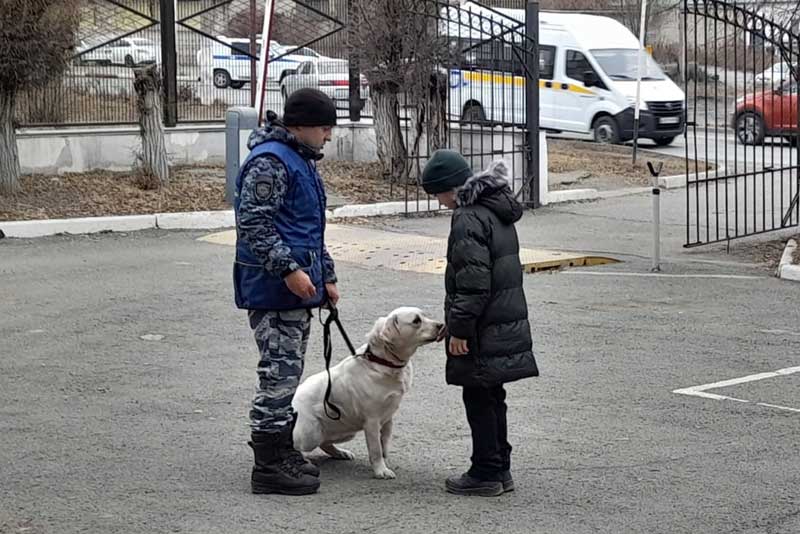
(330, 76)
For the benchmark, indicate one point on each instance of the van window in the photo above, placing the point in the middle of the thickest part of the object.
(577, 65)
(623, 64)
(547, 62)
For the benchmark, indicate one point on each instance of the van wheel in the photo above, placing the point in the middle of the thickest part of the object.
(222, 80)
(664, 141)
(129, 62)
(473, 114)
(237, 85)
(750, 128)
(606, 131)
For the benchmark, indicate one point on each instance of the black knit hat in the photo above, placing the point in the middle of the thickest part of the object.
(309, 107)
(446, 170)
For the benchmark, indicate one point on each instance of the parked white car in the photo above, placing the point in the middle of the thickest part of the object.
(331, 76)
(129, 51)
(229, 66)
(775, 75)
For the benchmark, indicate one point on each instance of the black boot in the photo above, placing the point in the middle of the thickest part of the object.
(305, 467)
(274, 470)
(469, 485)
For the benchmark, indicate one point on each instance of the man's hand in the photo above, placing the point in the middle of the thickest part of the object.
(301, 285)
(333, 293)
(458, 347)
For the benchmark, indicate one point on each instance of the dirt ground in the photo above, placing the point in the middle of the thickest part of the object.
(582, 164)
(200, 188)
(768, 252)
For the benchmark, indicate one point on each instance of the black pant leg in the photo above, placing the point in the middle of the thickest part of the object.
(501, 409)
(487, 459)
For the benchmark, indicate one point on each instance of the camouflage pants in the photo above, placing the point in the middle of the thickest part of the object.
(282, 338)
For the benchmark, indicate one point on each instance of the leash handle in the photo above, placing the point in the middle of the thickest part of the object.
(333, 317)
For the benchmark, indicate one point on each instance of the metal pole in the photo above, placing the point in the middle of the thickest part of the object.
(169, 62)
(656, 172)
(269, 10)
(656, 228)
(353, 69)
(638, 103)
(253, 66)
(532, 102)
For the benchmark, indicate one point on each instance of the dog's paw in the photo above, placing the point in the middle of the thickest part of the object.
(344, 454)
(384, 473)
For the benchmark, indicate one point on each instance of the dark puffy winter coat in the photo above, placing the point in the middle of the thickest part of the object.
(485, 299)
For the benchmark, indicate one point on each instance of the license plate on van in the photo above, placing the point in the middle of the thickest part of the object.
(669, 120)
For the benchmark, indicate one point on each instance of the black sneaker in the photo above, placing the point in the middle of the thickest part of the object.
(468, 485)
(508, 482)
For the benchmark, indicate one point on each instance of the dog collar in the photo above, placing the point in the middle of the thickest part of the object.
(380, 361)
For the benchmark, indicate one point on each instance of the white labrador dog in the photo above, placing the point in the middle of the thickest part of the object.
(367, 388)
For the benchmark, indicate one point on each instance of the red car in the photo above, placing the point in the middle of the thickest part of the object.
(769, 113)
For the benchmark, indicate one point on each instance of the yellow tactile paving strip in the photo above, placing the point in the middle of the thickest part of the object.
(378, 249)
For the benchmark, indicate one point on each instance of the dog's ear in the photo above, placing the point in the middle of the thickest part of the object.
(391, 328)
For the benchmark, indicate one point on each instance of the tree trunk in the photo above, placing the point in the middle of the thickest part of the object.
(440, 86)
(389, 136)
(155, 164)
(9, 157)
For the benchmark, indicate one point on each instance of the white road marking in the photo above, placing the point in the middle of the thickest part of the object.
(664, 275)
(701, 391)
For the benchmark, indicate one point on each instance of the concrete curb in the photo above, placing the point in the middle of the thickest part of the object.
(679, 180)
(87, 225)
(198, 220)
(571, 195)
(382, 208)
(788, 270)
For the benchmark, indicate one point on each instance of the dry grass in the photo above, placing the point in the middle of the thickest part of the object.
(102, 193)
(359, 182)
(202, 188)
(605, 166)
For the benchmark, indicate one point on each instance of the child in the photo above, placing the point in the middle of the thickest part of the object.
(488, 335)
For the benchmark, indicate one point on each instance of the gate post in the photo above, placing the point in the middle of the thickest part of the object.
(532, 104)
(354, 74)
(169, 62)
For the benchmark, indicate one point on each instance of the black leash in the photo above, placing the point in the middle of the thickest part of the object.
(333, 318)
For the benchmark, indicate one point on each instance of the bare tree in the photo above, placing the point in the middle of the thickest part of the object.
(38, 37)
(400, 51)
(155, 163)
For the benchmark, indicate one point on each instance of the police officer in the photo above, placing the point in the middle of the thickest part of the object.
(282, 271)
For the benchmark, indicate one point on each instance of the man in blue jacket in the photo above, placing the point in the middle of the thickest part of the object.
(282, 271)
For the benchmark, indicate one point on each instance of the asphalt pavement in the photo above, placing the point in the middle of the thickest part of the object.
(126, 375)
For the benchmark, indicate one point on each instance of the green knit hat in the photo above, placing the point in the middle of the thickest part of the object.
(446, 170)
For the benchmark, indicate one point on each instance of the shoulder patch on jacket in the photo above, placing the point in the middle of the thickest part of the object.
(264, 189)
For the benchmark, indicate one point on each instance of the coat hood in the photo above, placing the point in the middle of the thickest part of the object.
(490, 188)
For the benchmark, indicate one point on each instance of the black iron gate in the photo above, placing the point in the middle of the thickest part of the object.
(741, 80)
(488, 89)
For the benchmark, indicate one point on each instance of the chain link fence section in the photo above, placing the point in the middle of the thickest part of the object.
(307, 48)
(97, 88)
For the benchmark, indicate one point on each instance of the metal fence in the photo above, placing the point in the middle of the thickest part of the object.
(208, 62)
(484, 100)
(742, 91)
(216, 54)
